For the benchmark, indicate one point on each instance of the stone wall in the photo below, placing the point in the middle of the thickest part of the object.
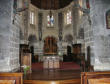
(5, 15)
(33, 29)
(101, 34)
(96, 34)
(24, 21)
(9, 37)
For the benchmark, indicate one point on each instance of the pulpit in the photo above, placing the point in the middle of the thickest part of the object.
(51, 62)
(25, 57)
(26, 60)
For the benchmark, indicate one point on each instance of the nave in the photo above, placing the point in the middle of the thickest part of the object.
(55, 41)
(53, 77)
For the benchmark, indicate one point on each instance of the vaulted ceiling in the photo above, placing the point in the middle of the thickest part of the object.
(51, 4)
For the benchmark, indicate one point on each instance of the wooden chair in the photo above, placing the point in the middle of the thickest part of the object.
(95, 78)
(11, 78)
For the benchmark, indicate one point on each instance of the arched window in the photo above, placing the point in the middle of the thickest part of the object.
(50, 21)
(68, 18)
(108, 19)
(32, 17)
(15, 4)
(87, 4)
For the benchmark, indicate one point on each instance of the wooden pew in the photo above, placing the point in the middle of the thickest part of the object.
(11, 78)
(95, 78)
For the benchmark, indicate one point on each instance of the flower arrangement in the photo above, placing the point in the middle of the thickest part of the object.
(25, 68)
(59, 53)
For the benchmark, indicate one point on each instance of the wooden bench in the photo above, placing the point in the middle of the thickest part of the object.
(11, 78)
(95, 78)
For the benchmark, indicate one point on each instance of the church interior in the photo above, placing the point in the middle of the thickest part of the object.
(54, 42)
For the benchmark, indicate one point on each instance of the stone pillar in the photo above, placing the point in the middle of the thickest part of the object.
(9, 37)
(101, 34)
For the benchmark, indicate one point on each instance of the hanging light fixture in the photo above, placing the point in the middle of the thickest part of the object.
(50, 13)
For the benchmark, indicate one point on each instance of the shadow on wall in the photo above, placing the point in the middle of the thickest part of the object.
(21, 35)
(68, 38)
(32, 39)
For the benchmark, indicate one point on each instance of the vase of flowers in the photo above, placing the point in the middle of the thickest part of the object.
(25, 69)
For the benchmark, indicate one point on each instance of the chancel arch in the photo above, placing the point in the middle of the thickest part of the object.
(50, 32)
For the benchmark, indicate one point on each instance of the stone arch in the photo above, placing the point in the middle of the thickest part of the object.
(68, 38)
(32, 38)
(50, 32)
(50, 37)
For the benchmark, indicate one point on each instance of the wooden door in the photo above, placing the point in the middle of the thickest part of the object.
(76, 49)
(50, 46)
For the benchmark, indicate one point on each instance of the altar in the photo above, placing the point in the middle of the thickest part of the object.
(51, 62)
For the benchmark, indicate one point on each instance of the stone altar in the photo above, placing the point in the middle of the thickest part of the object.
(51, 62)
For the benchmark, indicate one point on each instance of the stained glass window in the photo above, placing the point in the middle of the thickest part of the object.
(14, 6)
(68, 17)
(87, 4)
(32, 17)
(80, 11)
(26, 3)
(108, 19)
(50, 21)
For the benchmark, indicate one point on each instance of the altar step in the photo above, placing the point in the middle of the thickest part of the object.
(69, 81)
(63, 66)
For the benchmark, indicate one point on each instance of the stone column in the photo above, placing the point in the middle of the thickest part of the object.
(9, 37)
